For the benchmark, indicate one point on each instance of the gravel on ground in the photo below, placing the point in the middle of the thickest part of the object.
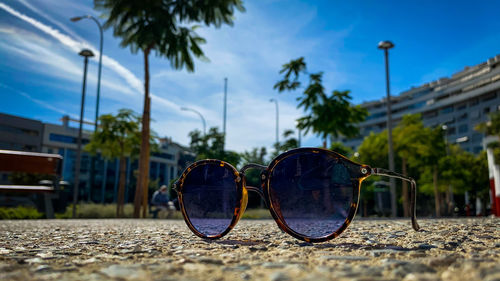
(446, 249)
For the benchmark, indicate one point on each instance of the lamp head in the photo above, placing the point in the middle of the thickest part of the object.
(385, 45)
(75, 19)
(86, 53)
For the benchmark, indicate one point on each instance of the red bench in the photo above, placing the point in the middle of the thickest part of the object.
(30, 162)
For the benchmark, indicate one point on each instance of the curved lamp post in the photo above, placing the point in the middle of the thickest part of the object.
(199, 114)
(277, 121)
(75, 19)
(86, 54)
(386, 45)
(92, 162)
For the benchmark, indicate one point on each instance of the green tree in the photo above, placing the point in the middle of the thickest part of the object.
(118, 136)
(326, 115)
(373, 150)
(464, 171)
(341, 149)
(431, 150)
(167, 28)
(289, 142)
(407, 135)
(211, 146)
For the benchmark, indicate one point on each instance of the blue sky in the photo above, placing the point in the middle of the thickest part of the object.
(41, 72)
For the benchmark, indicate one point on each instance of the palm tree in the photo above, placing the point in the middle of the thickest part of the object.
(165, 27)
(332, 115)
(117, 137)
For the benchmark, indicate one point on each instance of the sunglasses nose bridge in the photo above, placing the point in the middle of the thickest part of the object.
(255, 189)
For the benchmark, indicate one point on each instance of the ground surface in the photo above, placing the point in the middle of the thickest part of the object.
(448, 249)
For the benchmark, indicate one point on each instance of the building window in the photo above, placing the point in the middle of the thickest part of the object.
(486, 110)
(474, 102)
(376, 115)
(66, 139)
(164, 155)
(463, 128)
(429, 114)
(489, 96)
(462, 117)
(417, 105)
(447, 109)
(477, 137)
(462, 106)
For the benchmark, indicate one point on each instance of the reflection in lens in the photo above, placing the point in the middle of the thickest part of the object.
(209, 195)
(313, 193)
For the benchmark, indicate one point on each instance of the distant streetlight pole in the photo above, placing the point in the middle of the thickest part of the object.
(199, 114)
(277, 121)
(225, 108)
(451, 201)
(85, 53)
(386, 45)
(92, 162)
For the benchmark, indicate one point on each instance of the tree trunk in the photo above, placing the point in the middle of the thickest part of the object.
(141, 185)
(121, 188)
(437, 200)
(406, 206)
(145, 183)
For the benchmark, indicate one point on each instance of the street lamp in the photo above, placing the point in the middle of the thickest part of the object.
(92, 162)
(277, 121)
(225, 106)
(85, 53)
(386, 45)
(199, 114)
(75, 19)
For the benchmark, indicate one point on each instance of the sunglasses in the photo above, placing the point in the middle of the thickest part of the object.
(311, 193)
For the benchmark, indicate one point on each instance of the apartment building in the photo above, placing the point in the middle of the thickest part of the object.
(460, 102)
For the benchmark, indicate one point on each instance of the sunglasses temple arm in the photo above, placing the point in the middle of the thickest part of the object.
(413, 192)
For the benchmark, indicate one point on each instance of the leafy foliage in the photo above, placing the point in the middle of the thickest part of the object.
(341, 149)
(325, 115)
(435, 165)
(117, 136)
(167, 27)
(289, 142)
(19, 213)
(211, 146)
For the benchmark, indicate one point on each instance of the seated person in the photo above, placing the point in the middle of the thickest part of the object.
(162, 204)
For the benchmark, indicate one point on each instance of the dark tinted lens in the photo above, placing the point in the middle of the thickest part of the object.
(313, 192)
(209, 195)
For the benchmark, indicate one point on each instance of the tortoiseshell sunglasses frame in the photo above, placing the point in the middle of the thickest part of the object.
(358, 173)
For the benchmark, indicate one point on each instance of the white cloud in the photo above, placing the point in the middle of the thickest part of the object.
(50, 19)
(134, 82)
